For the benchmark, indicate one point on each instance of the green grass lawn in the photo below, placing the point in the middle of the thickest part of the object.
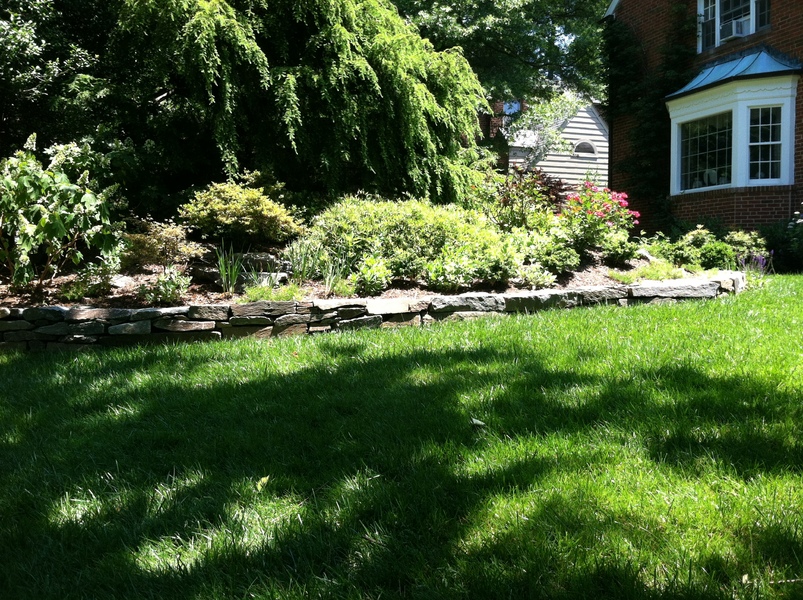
(646, 452)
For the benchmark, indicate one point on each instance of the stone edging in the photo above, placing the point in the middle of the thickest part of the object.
(62, 328)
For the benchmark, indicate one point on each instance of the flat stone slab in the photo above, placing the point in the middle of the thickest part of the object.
(85, 328)
(211, 312)
(180, 325)
(45, 313)
(16, 326)
(541, 299)
(136, 328)
(158, 313)
(388, 306)
(98, 314)
(351, 312)
(250, 321)
(288, 330)
(263, 308)
(675, 288)
(287, 320)
(368, 322)
(601, 294)
(731, 281)
(335, 304)
(467, 302)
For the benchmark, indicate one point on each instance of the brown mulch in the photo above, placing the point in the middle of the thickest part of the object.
(126, 295)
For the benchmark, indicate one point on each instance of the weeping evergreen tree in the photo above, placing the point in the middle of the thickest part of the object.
(336, 94)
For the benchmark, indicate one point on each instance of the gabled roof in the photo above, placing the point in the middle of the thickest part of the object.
(611, 9)
(751, 64)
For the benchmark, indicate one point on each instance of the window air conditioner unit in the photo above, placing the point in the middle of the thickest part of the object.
(734, 29)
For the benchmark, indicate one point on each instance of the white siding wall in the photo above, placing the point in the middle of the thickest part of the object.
(586, 126)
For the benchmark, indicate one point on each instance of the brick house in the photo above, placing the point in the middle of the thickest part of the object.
(732, 120)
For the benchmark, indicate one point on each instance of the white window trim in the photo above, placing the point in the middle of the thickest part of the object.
(738, 97)
(718, 24)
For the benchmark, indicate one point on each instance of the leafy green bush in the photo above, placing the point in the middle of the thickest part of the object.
(657, 270)
(717, 255)
(157, 243)
(168, 288)
(551, 250)
(46, 221)
(95, 278)
(234, 211)
(535, 276)
(746, 243)
(617, 248)
(413, 238)
(525, 199)
(372, 276)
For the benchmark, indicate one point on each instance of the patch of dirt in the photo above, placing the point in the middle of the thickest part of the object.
(125, 293)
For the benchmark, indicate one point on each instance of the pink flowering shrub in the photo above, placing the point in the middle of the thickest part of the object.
(593, 213)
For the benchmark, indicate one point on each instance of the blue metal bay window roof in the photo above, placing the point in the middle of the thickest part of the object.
(752, 64)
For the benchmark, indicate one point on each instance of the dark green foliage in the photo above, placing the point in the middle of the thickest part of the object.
(617, 249)
(519, 49)
(334, 95)
(526, 199)
(638, 94)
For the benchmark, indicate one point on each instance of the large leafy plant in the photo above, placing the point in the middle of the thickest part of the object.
(46, 220)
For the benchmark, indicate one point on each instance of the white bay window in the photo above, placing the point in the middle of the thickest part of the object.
(737, 134)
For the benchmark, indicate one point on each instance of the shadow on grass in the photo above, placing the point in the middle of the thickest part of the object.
(347, 478)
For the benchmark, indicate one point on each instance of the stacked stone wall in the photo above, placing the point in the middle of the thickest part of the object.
(76, 328)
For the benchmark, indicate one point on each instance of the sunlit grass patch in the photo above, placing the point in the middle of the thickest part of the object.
(640, 452)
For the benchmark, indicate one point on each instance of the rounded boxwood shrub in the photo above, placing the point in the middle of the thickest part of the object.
(233, 211)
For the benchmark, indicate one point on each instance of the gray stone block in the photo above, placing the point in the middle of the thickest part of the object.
(249, 321)
(211, 312)
(369, 322)
(4, 312)
(388, 306)
(98, 314)
(15, 326)
(287, 320)
(541, 299)
(675, 288)
(325, 305)
(45, 313)
(351, 312)
(158, 313)
(601, 294)
(263, 308)
(180, 325)
(85, 328)
(467, 302)
(135, 328)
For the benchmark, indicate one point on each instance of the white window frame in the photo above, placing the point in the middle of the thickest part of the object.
(718, 22)
(738, 97)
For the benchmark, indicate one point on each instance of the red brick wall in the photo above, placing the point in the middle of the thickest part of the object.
(742, 208)
(649, 20)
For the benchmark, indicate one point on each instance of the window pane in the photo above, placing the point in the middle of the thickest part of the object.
(765, 143)
(762, 13)
(706, 152)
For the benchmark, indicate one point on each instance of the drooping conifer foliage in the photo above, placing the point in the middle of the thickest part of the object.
(331, 95)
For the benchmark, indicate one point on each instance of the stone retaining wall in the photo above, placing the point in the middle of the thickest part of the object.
(62, 328)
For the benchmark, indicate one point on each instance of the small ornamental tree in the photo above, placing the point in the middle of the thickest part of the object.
(46, 220)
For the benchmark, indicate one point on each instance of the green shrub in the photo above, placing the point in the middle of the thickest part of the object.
(535, 276)
(657, 270)
(617, 248)
(46, 220)
(552, 250)
(372, 276)
(717, 255)
(746, 243)
(95, 278)
(234, 211)
(525, 199)
(168, 288)
(413, 238)
(257, 293)
(157, 243)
